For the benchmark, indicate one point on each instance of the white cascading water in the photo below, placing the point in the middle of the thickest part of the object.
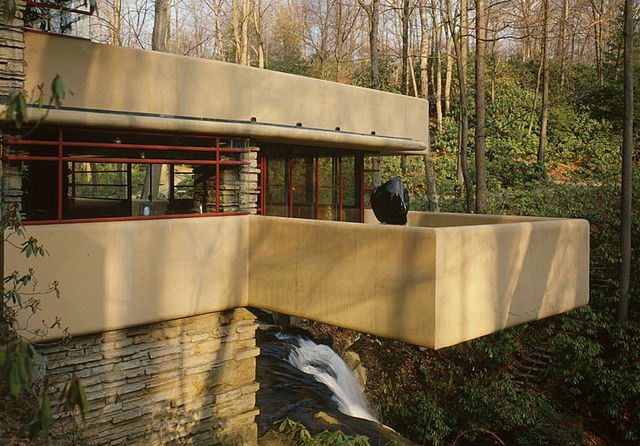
(321, 362)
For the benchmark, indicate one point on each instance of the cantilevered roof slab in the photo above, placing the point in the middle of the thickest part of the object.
(129, 88)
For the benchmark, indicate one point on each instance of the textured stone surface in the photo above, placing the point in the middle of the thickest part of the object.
(12, 73)
(186, 381)
(238, 185)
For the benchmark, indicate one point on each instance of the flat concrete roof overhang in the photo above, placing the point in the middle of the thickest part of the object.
(135, 89)
(441, 280)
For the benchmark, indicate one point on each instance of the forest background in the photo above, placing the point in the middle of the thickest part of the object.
(526, 102)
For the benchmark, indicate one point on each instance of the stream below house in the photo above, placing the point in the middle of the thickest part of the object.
(306, 381)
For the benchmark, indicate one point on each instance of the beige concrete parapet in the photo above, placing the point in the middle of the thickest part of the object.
(432, 286)
(122, 274)
(130, 88)
(428, 284)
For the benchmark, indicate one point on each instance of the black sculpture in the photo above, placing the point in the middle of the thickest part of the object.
(390, 202)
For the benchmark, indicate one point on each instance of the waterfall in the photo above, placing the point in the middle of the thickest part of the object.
(325, 366)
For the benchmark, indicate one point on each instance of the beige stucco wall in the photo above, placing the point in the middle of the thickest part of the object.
(372, 278)
(129, 81)
(489, 277)
(120, 274)
(431, 286)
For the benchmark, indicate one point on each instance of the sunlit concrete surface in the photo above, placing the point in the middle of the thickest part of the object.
(121, 274)
(426, 284)
(130, 88)
(433, 286)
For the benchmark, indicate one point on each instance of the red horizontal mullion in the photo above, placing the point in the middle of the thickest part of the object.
(83, 172)
(24, 142)
(123, 160)
(29, 158)
(235, 150)
(101, 184)
(109, 145)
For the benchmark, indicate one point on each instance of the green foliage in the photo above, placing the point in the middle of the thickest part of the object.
(9, 9)
(17, 101)
(592, 381)
(299, 434)
(20, 300)
(17, 109)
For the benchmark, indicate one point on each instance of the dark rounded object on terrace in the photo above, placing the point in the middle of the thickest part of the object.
(390, 202)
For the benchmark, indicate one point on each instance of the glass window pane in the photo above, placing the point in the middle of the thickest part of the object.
(35, 183)
(276, 188)
(349, 195)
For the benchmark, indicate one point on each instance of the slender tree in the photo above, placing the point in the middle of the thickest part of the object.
(461, 46)
(481, 37)
(406, 17)
(161, 26)
(430, 176)
(372, 9)
(544, 113)
(622, 313)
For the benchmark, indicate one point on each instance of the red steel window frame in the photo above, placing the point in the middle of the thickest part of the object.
(289, 164)
(60, 158)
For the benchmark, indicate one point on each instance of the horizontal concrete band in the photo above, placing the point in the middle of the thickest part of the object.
(299, 110)
(432, 286)
(255, 130)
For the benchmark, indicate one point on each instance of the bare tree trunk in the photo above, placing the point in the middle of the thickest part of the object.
(535, 101)
(239, 23)
(429, 173)
(622, 312)
(257, 23)
(437, 72)
(406, 15)
(544, 116)
(151, 184)
(461, 46)
(597, 14)
(93, 174)
(244, 30)
(116, 29)
(448, 76)
(562, 44)
(161, 26)
(414, 82)
(481, 35)
(372, 10)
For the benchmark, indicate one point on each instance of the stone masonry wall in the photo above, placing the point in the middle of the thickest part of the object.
(238, 185)
(12, 74)
(186, 381)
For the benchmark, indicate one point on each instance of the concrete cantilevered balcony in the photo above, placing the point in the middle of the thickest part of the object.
(444, 279)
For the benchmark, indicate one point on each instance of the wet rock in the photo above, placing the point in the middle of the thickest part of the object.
(352, 359)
